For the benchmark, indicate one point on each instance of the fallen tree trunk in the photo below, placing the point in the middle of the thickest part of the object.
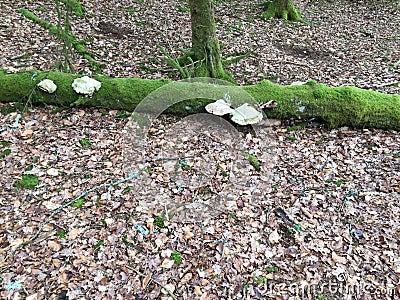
(334, 106)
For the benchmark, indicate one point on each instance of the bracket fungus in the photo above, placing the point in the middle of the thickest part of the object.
(219, 108)
(47, 85)
(246, 115)
(86, 85)
(242, 115)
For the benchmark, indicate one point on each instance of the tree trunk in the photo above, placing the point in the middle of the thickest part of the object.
(205, 46)
(283, 9)
(334, 106)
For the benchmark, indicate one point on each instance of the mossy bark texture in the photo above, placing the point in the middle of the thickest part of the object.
(77, 8)
(283, 9)
(334, 106)
(205, 50)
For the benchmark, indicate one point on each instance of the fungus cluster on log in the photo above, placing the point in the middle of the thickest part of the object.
(242, 115)
(84, 85)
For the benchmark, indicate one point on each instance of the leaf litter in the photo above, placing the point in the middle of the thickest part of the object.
(325, 213)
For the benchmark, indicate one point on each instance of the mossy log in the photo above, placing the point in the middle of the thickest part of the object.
(334, 106)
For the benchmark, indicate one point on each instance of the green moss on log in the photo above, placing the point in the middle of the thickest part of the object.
(334, 106)
(115, 93)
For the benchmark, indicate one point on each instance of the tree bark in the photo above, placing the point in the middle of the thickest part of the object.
(283, 9)
(205, 46)
(334, 106)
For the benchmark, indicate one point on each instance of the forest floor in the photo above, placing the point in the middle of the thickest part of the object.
(345, 42)
(318, 221)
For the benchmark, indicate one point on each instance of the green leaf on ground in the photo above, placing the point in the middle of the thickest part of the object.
(78, 203)
(85, 143)
(176, 257)
(98, 245)
(5, 153)
(62, 234)
(159, 221)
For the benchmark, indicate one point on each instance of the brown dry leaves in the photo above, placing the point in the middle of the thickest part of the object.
(346, 42)
(339, 187)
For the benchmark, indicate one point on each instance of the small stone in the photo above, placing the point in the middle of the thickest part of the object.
(298, 83)
(358, 234)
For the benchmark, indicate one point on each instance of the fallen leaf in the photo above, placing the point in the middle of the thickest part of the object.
(27, 133)
(338, 259)
(274, 237)
(146, 280)
(186, 278)
(167, 263)
(197, 291)
(54, 246)
(168, 288)
(32, 297)
(73, 234)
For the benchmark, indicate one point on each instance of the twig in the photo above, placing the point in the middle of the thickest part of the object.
(168, 159)
(59, 226)
(268, 215)
(153, 280)
(42, 238)
(18, 56)
(297, 64)
(166, 212)
(386, 84)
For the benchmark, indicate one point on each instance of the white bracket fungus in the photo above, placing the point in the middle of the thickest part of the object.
(246, 115)
(219, 108)
(47, 85)
(242, 115)
(86, 85)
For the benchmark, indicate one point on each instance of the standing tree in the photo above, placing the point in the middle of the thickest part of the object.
(284, 9)
(204, 59)
(205, 52)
